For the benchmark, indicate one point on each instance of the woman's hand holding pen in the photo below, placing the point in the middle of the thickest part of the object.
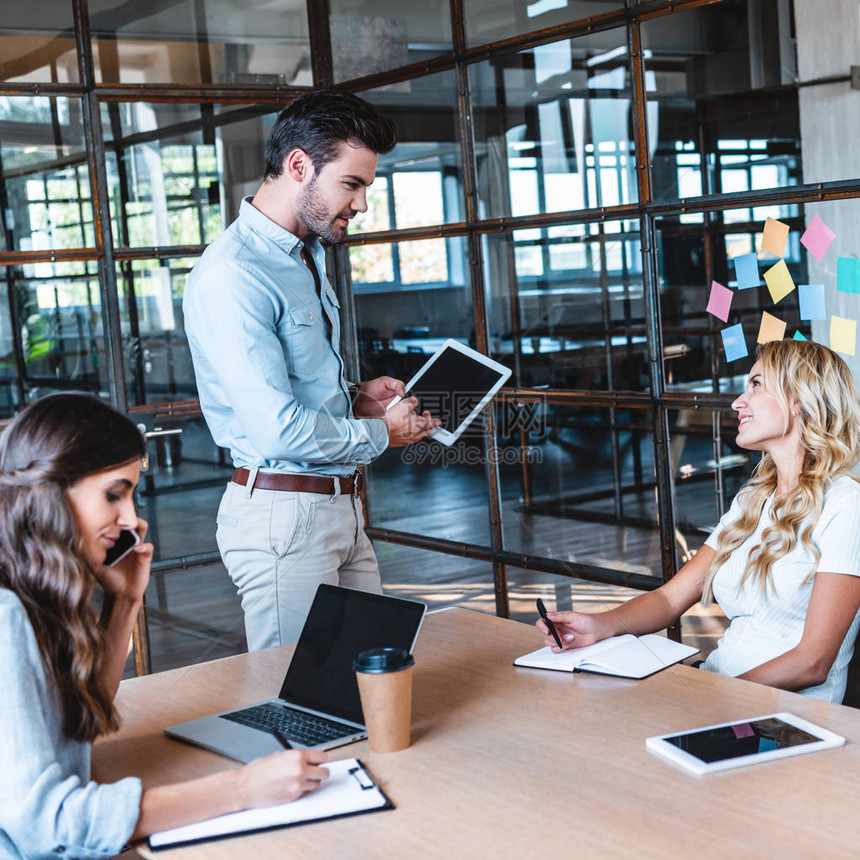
(575, 630)
(281, 777)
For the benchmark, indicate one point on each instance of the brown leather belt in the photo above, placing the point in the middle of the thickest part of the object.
(299, 483)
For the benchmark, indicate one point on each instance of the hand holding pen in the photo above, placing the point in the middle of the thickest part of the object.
(565, 630)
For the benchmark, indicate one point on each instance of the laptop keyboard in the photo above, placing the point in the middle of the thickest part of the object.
(296, 725)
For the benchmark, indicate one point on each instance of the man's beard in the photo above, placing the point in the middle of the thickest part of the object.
(313, 213)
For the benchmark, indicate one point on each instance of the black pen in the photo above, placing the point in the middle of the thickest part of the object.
(282, 739)
(549, 624)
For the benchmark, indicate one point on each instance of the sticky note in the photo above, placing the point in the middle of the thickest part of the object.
(775, 236)
(817, 238)
(771, 328)
(720, 302)
(799, 336)
(779, 282)
(734, 342)
(848, 275)
(843, 335)
(746, 271)
(811, 301)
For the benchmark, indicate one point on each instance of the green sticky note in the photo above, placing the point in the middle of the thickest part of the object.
(848, 275)
(799, 336)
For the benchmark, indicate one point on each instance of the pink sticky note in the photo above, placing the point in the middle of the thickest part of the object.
(720, 302)
(817, 238)
(743, 730)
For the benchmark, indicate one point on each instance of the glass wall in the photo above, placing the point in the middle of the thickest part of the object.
(573, 181)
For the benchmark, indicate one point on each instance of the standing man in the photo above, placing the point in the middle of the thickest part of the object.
(264, 330)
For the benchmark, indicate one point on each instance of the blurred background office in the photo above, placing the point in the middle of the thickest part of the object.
(570, 177)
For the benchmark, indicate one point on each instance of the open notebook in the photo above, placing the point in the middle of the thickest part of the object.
(349, 790)
(627, 656)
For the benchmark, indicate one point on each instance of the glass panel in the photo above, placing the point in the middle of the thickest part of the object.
(560, 593)
(553, 127)
(705, 482)
(368, 36)
(177, 173)
(183, 485)
(33, 51)
(61, 342)
(10, 398)
(194, 615)
(693, 349)
(402, 321)
(492, 20)
(719, 119)
(440, 580)
(44, 171)
(202, 42)
(420, 182)
(158, 360)
(584, 489)
(566, 306)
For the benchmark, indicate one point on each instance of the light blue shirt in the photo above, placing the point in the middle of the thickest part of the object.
(48, 805)
(270, 382)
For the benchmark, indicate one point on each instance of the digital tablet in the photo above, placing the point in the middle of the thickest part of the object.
(751, 741)
(455, 384)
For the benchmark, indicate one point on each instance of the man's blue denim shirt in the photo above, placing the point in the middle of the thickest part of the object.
(271, 385)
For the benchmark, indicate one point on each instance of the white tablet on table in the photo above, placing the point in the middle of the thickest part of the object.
(454, 385)
(742, 742)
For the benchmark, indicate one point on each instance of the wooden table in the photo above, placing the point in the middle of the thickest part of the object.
(510, 762)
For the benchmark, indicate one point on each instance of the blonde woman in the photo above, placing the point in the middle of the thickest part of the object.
(784, 562)
(69, 465)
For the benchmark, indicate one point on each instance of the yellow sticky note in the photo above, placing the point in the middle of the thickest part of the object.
(779, 282)
(775, 237)
(771, 328)
(843, 335)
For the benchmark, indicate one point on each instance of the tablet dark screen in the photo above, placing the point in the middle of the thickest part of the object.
(741, 739)
(452, 387)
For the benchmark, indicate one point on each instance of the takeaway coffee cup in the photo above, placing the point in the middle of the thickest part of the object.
(385, 684)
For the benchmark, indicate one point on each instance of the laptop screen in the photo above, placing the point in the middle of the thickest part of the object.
(342, 623)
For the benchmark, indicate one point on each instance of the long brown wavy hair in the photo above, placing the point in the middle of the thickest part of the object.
(820, 384)
(48, 447)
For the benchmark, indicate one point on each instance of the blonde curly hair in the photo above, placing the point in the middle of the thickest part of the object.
(817, 383)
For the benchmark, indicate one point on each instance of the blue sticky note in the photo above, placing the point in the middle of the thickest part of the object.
(746, 271)
(811, 301)
(848, 275)
(734, 342)
(799, 336)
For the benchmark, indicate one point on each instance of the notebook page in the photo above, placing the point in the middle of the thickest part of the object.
(636, 658)
(341, 793)
(567, 661)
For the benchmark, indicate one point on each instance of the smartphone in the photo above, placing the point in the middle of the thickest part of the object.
(126, 542)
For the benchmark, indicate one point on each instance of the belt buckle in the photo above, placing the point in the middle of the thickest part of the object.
(357, 483)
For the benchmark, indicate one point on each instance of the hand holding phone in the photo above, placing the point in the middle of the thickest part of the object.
(125, 543)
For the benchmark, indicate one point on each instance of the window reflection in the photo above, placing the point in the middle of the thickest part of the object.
(44, 171)
(201, 41)
(555, 122)
(567, 306)
(37, 42)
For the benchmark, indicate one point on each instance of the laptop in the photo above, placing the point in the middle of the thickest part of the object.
(319, 705)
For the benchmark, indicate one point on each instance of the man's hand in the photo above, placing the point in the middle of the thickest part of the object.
(374, 396)
(405, 425)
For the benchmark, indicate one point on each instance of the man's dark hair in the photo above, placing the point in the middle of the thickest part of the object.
(320, 122)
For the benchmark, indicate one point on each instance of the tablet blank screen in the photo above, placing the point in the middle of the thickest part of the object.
(741, 739)
(452, 387)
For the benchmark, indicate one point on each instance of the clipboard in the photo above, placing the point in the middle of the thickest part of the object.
(349, 790)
